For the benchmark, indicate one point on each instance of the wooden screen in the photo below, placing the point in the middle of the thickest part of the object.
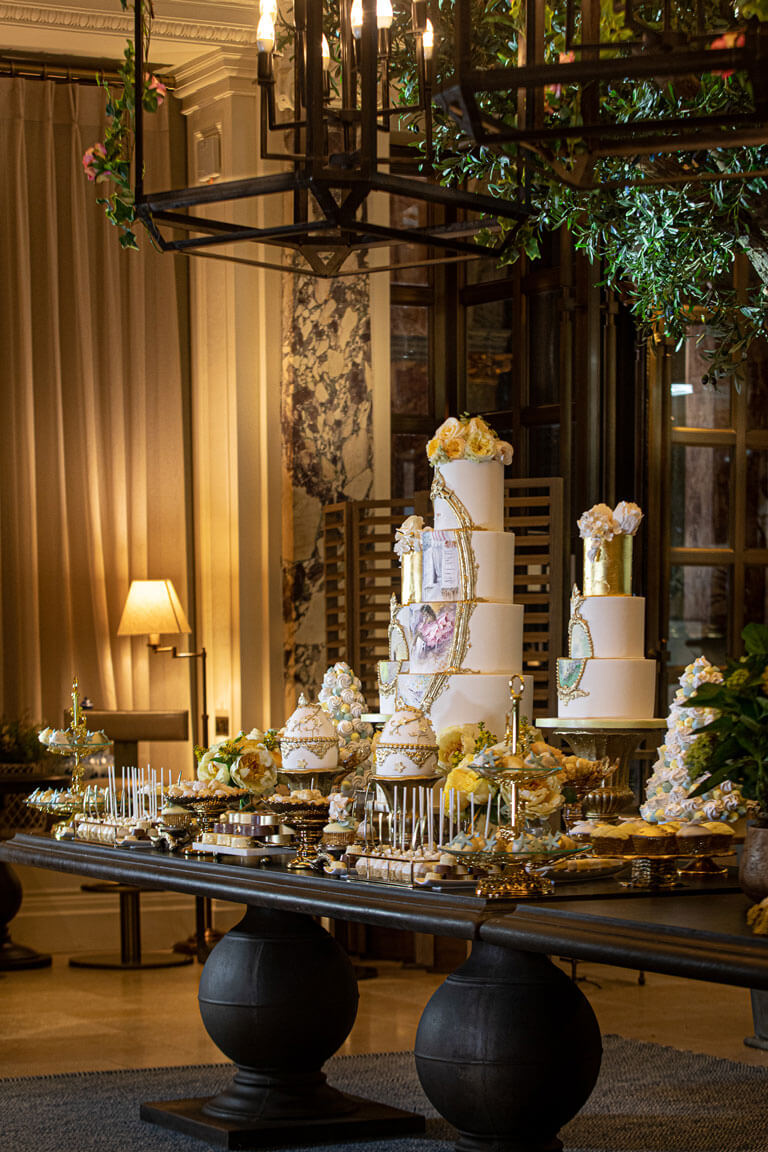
(362, 571)
(533, 510)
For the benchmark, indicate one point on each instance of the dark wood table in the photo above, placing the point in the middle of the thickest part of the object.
(279, 996)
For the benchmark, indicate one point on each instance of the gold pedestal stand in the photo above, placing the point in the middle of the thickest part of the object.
(598, 739)
(79, 747)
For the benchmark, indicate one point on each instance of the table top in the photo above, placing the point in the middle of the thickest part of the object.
(675, 932)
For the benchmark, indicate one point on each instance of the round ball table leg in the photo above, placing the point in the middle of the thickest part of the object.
(278, 996)
(508, 1050)
(14, 957)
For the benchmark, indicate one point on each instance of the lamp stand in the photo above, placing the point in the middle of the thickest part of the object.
(202, 656)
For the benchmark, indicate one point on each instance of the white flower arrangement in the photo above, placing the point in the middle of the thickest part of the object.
(599, 524)
(408, 535)
(249, 760)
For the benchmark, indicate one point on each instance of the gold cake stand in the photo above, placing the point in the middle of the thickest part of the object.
(599, 738)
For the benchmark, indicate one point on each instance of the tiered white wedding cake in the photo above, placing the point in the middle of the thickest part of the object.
(457, 638)
(605, 674)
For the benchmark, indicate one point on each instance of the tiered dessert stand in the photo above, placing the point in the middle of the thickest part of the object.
(79, 745)
(599, 739)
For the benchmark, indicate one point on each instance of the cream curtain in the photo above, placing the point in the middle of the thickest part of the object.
(92, 415)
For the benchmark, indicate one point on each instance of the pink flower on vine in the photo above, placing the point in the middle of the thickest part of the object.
(557, 89)
(91, 160)
(728, 40)
(156, 86)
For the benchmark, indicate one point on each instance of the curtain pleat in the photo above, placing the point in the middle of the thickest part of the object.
(92, 484)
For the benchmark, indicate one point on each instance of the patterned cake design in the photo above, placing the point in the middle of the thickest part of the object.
(605, 674)
(456, 639)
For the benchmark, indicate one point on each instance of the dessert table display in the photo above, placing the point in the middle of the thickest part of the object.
(508, 1048)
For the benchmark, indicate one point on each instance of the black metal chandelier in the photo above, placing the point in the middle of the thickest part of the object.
(667, 43)
(340, 112)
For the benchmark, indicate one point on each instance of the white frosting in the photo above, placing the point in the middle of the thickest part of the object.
(405, 738)
(309, 723)
(495, 636)
(616, 625)
(409, 726)
(394, 764)
(617, 689)
(480, 487)
(466, 699)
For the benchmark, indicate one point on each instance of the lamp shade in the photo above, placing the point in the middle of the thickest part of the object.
(152, 607)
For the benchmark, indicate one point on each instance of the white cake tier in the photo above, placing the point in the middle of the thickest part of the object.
(398, 763)
(492, 558)
(616, 628)
(494, 636)
(479, 485)
(464, 699)
(613, 689)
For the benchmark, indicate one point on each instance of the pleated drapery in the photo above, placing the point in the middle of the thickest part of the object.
(92, 476)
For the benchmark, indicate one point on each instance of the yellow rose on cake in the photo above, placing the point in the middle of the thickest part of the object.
(448, 430)
(454, 448)
(481, 440)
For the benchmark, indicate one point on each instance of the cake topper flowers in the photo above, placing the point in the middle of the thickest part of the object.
(467, 438)
(599, 524)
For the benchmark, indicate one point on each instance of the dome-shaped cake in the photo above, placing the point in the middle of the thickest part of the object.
(407, 747)
(309, 741)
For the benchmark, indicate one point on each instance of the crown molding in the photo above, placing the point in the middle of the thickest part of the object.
(184, 23)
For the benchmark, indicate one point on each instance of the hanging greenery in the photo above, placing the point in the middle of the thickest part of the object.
(110, 160)
(668, 248)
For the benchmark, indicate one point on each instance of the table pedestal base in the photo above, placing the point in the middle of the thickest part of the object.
(14, 957)
(366, 1120)
(508, 1050)
(278, 995)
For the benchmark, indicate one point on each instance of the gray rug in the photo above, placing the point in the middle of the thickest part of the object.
(648, 1099)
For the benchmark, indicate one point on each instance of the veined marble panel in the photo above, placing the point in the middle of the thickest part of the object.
(327, 444)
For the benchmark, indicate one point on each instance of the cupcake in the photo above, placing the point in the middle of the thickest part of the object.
(582, 829)
(693, 838)
(653, 840)
(338, 835)
(721, 835)
(610, 840)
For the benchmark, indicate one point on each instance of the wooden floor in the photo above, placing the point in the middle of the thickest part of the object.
(65, 1020)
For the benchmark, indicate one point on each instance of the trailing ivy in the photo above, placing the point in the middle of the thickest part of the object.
(667, 247)
(110, 161)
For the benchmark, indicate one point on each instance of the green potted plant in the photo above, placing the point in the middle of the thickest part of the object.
(734, 746)
(21, 752)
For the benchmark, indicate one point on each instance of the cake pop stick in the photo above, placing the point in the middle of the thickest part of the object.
(472, 812)
(451, 795)
(488, 817)
(441, 799)
(414, 821)
(421, 817)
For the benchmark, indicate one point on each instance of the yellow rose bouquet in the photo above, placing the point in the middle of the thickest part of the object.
(467, 438)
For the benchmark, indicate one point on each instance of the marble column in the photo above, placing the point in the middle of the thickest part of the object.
(327, 432)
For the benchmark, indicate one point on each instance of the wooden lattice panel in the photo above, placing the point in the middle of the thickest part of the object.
(533, 510)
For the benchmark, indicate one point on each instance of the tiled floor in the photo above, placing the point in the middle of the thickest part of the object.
(64, 1019)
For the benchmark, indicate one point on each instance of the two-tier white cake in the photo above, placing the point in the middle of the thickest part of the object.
(457, 638)
(605, 674)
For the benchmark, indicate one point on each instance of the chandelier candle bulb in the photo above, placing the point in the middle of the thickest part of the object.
(356, 18)
(428, 40)
(265, 34)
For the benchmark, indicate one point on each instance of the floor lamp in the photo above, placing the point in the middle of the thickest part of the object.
(152, 608)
